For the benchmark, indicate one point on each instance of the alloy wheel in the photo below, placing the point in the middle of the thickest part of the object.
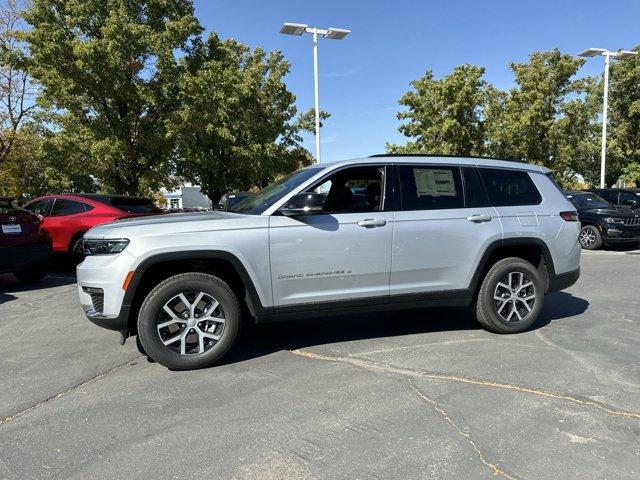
(587, 238)
(191, 323)
(514, 297)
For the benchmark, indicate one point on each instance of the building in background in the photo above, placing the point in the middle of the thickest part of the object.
(187, 197)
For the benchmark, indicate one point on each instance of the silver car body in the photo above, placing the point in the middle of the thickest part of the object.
(338, 257)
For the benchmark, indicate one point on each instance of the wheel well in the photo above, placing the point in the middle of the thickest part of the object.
(73, 240)
(160, 271)
(530, 252)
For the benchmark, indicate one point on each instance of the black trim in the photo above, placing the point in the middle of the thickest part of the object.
(561, 281)
(252, 298)
(121, 322)
(493, 246)
(445, 298)
(435, 155)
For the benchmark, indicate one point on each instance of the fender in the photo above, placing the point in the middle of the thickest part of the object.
(507, 242)
(252, 297)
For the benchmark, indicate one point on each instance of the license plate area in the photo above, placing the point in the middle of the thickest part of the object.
(8, 229)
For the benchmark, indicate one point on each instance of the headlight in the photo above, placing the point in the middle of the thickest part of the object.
(104, 247)
(613, 220)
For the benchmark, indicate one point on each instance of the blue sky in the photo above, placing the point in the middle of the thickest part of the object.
(393, 42)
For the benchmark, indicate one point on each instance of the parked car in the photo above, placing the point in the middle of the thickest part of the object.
(602, 223)
(230, 200)
(24, 247)
(618, 197)
(492, 235)
(66, 217)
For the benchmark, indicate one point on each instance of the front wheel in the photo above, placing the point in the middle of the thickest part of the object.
(590, 238)
(189, 321)
(510, 297)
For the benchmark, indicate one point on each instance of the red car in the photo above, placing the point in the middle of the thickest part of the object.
(66, 217)
(24, 247)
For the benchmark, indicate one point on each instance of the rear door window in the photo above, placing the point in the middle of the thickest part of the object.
(430, 187)
(40, 207)
(473, 191)
(509, 187)
(63, 207)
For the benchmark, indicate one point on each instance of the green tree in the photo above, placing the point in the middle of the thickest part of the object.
(446, 115)
(540, 119)
(236, 126)
(623, 143)
(111, 68)
(17, 93)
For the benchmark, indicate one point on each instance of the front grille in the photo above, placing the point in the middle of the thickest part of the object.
(97, 298)
(632, 222)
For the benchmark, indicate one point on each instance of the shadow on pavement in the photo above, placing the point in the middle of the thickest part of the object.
(260, 340)
(9, 285)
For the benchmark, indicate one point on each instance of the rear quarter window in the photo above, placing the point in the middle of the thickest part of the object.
(509, 187)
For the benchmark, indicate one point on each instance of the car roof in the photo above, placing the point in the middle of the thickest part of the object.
(440, 160)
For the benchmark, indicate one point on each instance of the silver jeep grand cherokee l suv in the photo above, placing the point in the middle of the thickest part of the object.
(379, 233)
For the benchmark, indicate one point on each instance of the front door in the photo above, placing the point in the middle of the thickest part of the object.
(342, 253)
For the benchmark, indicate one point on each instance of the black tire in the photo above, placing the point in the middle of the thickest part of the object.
(77, 252)
(590, 238)
(487, 308)
(32, 274)
(190, 285)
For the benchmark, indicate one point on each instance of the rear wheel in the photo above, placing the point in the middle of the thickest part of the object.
(32, 274)
(189, 321)
(590, 238)
(510, 297)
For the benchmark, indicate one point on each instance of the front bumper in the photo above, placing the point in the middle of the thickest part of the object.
(100, 288)
(20, 256)
(617, 234)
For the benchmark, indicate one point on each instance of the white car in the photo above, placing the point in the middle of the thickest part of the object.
(378, 233)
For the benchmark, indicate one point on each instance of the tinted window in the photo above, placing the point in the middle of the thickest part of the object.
(627, 198)
(63, 207)
(474, 193)
(587, 200)
(430, 188)
(358, 189)
(134, 205)
(39, 207)
(509, 187)
(608, 195)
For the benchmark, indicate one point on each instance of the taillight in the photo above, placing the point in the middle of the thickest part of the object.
(569, 216)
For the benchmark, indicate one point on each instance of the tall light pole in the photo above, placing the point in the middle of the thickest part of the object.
(330, 33)
(607, 54)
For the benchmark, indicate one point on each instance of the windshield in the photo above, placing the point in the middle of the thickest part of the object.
(258, 203)
(588, 200)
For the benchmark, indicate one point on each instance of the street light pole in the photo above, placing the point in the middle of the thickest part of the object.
(330, 33)
(605, 107)
(607, 54)
(316, 95)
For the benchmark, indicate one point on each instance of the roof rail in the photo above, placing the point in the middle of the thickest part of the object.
(444, 155)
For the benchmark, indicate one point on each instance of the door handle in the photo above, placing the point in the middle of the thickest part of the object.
(477, 218)
(370, 222)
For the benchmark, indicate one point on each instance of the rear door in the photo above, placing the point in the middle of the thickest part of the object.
(440, 232)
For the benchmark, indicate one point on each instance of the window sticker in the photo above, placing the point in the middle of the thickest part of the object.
(434, 182)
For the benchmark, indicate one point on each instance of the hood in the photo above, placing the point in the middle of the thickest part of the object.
(172, 224)
(614, 212)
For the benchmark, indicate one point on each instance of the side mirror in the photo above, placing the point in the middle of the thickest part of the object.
(304, 204)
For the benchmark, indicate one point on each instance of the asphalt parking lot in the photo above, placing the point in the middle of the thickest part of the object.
(423, 394)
